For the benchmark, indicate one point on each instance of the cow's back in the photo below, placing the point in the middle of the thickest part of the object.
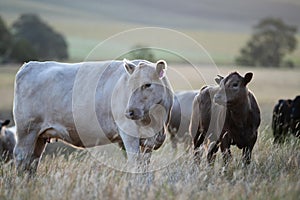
(43, 89)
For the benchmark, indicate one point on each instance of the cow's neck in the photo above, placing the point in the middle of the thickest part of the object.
(239, 113)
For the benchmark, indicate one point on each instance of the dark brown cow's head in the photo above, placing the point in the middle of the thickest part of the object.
(232, 89)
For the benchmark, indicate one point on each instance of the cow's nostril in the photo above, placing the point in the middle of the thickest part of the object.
(134, 114)
(131, 113)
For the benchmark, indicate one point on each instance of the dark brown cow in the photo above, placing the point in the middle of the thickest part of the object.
(225, 115)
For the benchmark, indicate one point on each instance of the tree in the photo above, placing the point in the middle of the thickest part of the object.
(271, 41)
(5, 38)
(21, 51)
(47, 43)
(140, 52)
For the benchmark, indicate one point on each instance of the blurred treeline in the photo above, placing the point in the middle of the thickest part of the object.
(29, 38)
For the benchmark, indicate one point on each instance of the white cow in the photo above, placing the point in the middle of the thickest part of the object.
(89, 104)
(178, 126)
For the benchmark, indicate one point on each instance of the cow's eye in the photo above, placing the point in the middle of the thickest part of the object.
(235, 85)
(147, 85)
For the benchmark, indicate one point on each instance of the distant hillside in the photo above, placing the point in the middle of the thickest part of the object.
(220, 26)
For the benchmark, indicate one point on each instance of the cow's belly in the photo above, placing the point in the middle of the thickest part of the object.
(78, 135)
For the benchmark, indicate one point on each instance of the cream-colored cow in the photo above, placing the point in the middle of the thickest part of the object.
(89, 104)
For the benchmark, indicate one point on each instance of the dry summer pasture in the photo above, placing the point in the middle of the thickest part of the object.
(273, 173)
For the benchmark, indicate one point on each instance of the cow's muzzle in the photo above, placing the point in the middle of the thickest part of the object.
(134, 114)
(219, 99)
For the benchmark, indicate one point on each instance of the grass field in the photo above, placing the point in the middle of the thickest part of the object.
(273, 174)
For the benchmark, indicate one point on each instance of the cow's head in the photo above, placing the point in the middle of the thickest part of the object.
(232, 89)
(148, 89)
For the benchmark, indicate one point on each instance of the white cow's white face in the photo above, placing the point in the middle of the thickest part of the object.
(147, 88)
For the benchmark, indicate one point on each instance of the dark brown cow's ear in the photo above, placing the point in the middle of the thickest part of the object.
(289, 102)
(219, 79)
(129, 66)
(6, 122)
(161, 68)
(248, 78)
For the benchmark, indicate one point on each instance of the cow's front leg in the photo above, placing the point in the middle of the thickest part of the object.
(247, 151)
(132, 147)
(212, 149)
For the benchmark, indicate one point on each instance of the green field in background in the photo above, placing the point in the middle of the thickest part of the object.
(86, 24)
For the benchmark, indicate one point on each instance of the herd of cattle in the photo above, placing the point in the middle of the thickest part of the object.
(132, 103)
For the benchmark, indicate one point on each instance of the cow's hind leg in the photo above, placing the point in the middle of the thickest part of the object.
(173, 141)
(225, 149)
(27, 152)
(38, 150)
(211, 153)
(197, 141)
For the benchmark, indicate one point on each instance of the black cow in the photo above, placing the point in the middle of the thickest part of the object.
(295, 117)
(281, 119)
(286, 119)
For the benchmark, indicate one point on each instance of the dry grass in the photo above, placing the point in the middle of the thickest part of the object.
(273, 174)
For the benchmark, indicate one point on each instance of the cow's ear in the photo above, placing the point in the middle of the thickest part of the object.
(289, 102)
(247, 78)
(219, 79)
(6, 122)
(161, 68)
(129, 66)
